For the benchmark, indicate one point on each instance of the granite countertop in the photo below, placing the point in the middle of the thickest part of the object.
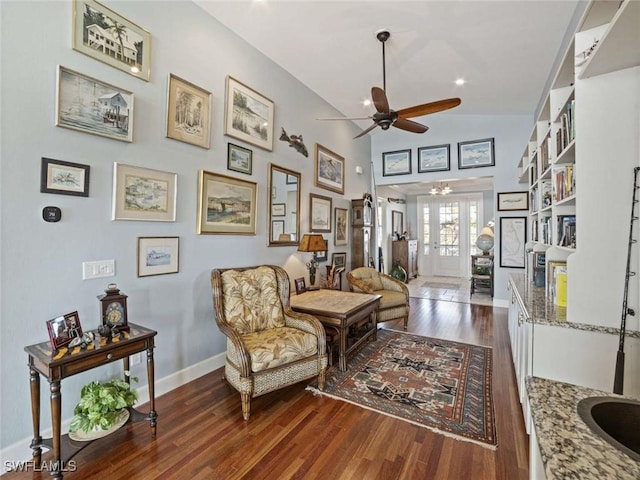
(543, 312)
(568, 447)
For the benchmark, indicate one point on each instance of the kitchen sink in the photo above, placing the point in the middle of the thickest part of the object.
(615, 420)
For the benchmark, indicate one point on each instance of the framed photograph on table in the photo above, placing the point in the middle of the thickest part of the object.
(434, 159)
(248, 115)
(340, 236)
(226, 205)
(396, 163)
(158, 255)
(300, 285)
(104, 109)
(64, 178)
(103, 34)
(476, 153)
(239, 159)
(329, 170)
(188, 112)
(513, 236)
(143, 194)
(396, 222)
(63, 329)
(319, 213)
(513, 201)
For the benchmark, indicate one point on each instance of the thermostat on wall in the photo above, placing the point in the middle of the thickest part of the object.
(51, 214)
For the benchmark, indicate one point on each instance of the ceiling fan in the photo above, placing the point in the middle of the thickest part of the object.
(385, 117)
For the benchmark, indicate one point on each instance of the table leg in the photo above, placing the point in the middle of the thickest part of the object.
(34, 383)
(344, 332)
(150, 380)
(374, 320)
(127, 374)
(56, 412)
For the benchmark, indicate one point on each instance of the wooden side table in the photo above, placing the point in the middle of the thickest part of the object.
(56, 365)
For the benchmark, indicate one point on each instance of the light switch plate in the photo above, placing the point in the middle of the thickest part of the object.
(98, 269)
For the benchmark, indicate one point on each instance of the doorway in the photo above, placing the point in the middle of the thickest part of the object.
(448, 226)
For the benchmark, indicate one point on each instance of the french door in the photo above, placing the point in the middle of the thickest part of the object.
(448, 226)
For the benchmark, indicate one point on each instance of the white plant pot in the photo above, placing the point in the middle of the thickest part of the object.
(97, 432)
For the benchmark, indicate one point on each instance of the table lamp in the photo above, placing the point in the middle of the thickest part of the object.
(312, 243)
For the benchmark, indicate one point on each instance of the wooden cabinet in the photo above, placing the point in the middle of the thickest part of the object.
(405, 253)
(361, 214)
(482, 273)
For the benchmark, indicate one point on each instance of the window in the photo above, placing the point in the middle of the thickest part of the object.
(426, 233)
(449, 229)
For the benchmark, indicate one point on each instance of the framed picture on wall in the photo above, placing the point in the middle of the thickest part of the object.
(239, 159)
(434, 159)
(329, 170)
(476, 153)
(158, 255)
(513, 236)
(340, 236)
(103, 34)
(396, 163)
(396, 222)
(513, 201)
(143, 194)
(188, 112)
(64, 178)
(248, 115)
(319, 213)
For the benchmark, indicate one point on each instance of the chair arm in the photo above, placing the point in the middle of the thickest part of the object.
(307, 323)
(390, 283)
(358, 285)
(243, 354)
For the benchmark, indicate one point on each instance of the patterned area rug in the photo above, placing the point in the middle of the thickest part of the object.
(438, 384)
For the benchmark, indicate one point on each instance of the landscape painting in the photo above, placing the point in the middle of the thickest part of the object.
(101, 33)
(433, 159)
(249, 115)
(143, 194)
(64, 178)
(329, 168)
(226, 205)
(188, 112)
(89, 105)
(157, 255)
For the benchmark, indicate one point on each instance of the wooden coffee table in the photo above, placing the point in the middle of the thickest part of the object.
(341, 310)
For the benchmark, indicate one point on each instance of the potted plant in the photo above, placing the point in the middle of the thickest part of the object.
(103, 408)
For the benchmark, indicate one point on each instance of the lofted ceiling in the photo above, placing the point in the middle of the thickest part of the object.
(504, 50)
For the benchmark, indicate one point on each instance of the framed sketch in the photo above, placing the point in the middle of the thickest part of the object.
(143, 194)
(248, 115)
(301, 287)
(319, 213)
(329, 170)
(63, 329)
(158, 255)
(291, 179)
(434, 159)
(239, 159)
(396, 163)
(339, 259)
(101, 33)
(188, 112)
(64, 178)
(277, 229)
(512, 201)
(513, 236)
(476, 153)
(278, 209)
(396, 222)
(226, 205)
(340, 235)
(91, 106)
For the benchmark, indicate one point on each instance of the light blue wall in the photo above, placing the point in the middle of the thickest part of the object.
(41, 262)
(510, 132)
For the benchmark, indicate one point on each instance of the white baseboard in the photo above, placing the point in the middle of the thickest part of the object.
(500, 303)
(21, 452)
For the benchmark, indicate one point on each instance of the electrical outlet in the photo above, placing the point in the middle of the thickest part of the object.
(98, 269)
(135, 359)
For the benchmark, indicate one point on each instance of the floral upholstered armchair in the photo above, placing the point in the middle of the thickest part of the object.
(394, 304)
(269, 346)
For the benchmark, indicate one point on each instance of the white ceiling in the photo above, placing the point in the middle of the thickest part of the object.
(504, 49)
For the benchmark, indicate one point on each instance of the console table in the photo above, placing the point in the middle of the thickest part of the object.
(340, 310)
(54, 365)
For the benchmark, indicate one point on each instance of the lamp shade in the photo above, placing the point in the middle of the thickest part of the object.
(312, 243)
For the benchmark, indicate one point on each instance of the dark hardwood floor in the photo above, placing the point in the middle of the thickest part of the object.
(293, 434)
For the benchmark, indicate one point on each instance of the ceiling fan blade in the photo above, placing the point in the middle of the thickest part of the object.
(427, 108)
(366, 130)
(380, 100)
(344, 118)
(410, 125)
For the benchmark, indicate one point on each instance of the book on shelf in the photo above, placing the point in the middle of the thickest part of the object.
(545, 193)
(550, 286)
(566, 230)
(545, 153)
(545, 231)
(561, 286)
(566, 131)
(564, 181)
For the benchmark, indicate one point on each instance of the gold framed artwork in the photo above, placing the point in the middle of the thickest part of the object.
(188, 112)
(226, 205)
(103, 34)
(143, 194)
(248, 115)
(329, 170)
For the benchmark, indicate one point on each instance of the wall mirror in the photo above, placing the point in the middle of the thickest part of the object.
(284, 205)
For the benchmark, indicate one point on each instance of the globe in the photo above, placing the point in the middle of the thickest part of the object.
(485, 243)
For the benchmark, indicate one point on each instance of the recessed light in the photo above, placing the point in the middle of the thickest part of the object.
(460, 81)
(366, 102)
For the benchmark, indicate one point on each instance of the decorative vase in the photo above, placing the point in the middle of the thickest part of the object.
(97, 432)
(399, 273)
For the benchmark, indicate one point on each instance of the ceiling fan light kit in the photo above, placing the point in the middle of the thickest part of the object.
(386, 117)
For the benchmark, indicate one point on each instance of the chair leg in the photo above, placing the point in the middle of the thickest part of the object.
(246, 405)
(406, 321)
(321, 376)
